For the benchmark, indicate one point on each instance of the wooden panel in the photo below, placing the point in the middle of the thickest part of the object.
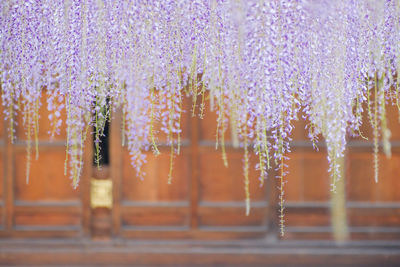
(48, 206)
(231, 216)
(307, 216)
(373, 235)
(361, 185)
(393, 124)
(44, 218)
(364, 234)
(218, 183)
(155, 216)
(159, 133)
(208, 127)
(154, 186)
(221, 189)
(382, 217)
(161, 137)
(299, 132)
(45, 126)
(301, 128)
(307, 191)
(47, 181)
(393, 121)
(308, 178)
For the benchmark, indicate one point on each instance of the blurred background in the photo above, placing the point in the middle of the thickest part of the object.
(114, 218)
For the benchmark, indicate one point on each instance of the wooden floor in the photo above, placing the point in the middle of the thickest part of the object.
(196, 253)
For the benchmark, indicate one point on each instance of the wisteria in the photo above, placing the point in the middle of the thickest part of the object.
(261, 65)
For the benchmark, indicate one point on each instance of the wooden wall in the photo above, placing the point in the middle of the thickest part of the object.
(205, 199)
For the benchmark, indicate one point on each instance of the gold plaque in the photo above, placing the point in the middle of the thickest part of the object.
(101, 193)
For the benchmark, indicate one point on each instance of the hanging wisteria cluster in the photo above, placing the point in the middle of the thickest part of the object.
(259, 64)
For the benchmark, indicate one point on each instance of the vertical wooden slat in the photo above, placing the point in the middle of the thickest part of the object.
(85, 184)
(338, 207)
(9, 186)
(116, 169)
(9, 183)
(3, 133)
(194, 181)
(272, 196)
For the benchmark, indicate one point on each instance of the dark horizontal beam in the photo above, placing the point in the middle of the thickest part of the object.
(48, 228)
(308, 144)
(155, 228)
(257, 229)
(70, 203)
(233, 204)
(125, 203)
(349, 204)
(352, 229)
(41, 143)
(165, 145)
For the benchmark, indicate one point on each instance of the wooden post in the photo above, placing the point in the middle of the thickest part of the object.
(338, 207)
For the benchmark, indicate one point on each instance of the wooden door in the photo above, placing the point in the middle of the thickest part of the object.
(372, 209)
(47, 205)
(205, 199)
